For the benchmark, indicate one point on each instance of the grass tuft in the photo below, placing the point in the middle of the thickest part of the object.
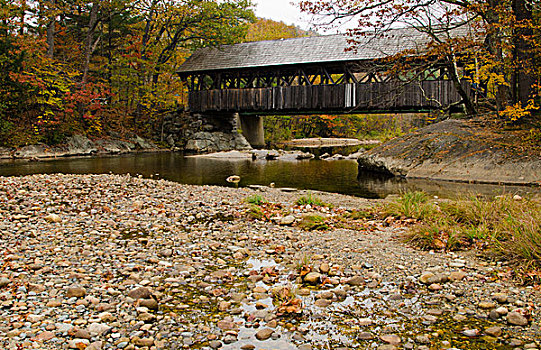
(313, 222)
(312, 200)
(256, 199)
(507, 225)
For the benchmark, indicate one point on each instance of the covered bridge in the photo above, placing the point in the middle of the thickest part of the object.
(317, 74)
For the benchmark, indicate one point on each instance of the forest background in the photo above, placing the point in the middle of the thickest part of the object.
(102, 67)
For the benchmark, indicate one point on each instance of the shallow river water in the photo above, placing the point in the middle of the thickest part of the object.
(340, 176)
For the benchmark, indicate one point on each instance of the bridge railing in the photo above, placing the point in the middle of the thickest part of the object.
(428, 94)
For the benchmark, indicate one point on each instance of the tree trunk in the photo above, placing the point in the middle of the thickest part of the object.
(89, 40)
(523, 77)
(453, 75)
(493, 42)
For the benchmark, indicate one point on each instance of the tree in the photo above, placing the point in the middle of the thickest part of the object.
(76, 66)
(267, 29)
(498, 54)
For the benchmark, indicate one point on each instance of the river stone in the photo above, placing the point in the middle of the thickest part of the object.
(422, 339)
(44, 336)
(471, 333)
(435, 287)
(215, 344)
(144, 341)
(322, 303)
(82, 334)
(226, 324)
(355, 281)
(287, 220)
(312, 278)
(427, 278)
(53, 218)
(456, 276)
(77, 292)
(324, 268)
(494, 331)
(365, 336)
(151, 304)
(264, 334)
(140, 293)
(392, 339)
(487, 305)
(500, 297)
(78, 343)
(98, 328)
(4, 282)
(516, 319)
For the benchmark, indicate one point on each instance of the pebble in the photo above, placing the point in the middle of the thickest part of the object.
(312, 278)
(516, 319)
(77, 292)
(494, 331)
(4, 282)
(264, 334)
(134, 246)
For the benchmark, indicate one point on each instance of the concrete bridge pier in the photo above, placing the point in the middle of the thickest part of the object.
(253, 130)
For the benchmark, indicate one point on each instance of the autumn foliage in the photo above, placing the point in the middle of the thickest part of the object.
(90, 66)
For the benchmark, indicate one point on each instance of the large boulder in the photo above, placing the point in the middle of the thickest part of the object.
(455, 150)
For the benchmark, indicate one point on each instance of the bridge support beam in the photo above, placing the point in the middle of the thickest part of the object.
(252, 129)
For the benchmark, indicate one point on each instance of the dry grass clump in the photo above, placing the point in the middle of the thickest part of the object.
(506, 224)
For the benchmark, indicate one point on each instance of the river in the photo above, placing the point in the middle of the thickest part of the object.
(340, 176)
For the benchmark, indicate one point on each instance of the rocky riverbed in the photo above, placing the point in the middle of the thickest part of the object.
(120, 262)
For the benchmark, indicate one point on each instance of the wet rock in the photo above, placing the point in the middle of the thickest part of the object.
(226, 324)
(264, 334)
(422, 339)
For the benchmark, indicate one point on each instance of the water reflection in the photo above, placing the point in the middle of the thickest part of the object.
(332, 176)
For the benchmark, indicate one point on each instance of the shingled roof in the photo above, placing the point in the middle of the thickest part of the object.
(306, 50)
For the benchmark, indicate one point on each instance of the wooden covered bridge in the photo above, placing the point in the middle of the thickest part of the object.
(311, 75)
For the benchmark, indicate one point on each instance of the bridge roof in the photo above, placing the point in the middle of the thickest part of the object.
(306, 50)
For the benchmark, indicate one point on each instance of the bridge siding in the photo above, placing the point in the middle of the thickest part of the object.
(343, 97)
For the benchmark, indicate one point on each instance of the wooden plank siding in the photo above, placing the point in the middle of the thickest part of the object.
(353, 98)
